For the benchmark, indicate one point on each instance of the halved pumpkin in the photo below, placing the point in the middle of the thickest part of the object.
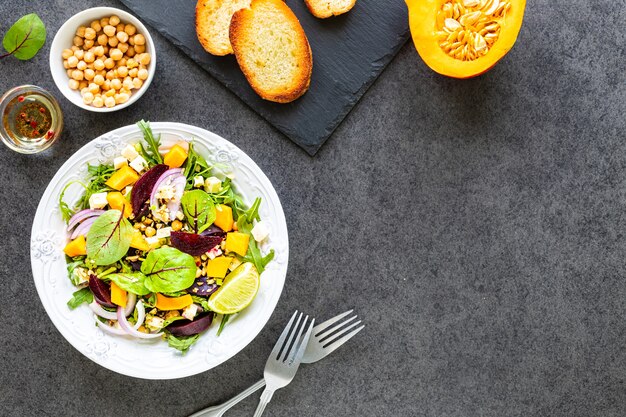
(464, 38)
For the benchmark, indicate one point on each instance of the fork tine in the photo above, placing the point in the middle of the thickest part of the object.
(279, 344)
(334, 345)
(323, 326)
(328, 339)
(327, 332)
(304, 342)
(291, 348)
(286, 348)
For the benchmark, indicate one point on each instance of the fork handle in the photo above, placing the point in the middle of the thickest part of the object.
(265, 399)
(219, 410)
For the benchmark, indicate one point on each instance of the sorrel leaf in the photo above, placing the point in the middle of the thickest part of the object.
(168, 270)
(109, 238)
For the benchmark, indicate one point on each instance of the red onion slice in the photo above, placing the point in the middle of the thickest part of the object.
(141, 315)
(83, 228)
(130, 304)
(111, 330)
(97, 309)
(178, 180)
(173, 206)
(82, 215)
(126, 326)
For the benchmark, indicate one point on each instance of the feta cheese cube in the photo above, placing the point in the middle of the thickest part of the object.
(234, 264)
(138, 164)
(129, 152)
(163, 232)
(154, 322)
(153, 240)
(214, 253)
(260, 231)
(119, 162)
(212, 185)
(190, 311)
(198, 181)
(98, 201)
(180, 215)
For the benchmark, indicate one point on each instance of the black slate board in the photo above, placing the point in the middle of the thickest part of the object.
(349, 52)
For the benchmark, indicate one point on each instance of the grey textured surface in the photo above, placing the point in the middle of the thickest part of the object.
(477, 226)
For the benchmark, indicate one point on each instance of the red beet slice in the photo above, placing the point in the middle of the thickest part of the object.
(101, 291)
(201, 288)
(189, 328)
(194, 244)
(213, 230)
(143, 187)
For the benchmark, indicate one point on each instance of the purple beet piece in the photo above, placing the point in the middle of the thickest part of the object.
(194, 244)
(189, 328)
(213, 230)
(143, 188)
(201, 288)
(101, 291)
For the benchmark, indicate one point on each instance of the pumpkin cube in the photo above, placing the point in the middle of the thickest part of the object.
(176, 156)
(224, 217)
(122, 177)
(237, 242)
(217, 268)
(118, 202)
(138, 241)
(76, 247)
(173, 303)
(118, 296)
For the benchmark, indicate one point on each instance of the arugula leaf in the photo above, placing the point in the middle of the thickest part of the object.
(225, 318)
(199, 208)
(182, 343)
(168, 270)
(151, 155)
(171, 320)
(194, 166)
(228, 196)
(25, 38)
(130, 281)
(84, 295)
(245, 225)
(203, 302)
(109, 238)
(100, 174)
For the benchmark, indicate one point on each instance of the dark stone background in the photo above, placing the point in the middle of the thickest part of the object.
(476, 226)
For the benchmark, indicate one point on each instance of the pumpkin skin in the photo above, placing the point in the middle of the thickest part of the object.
(423, 24)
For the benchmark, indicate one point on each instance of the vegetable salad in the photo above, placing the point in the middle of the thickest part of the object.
(158, 245)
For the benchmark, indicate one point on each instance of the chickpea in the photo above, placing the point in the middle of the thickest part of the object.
(83, 90)
(66, 65)
(122, 62)
(83, 85)
(128, 84)
(113, 41)
(106, 49)
(106, 86)
(98, 79)
(109, 102)
(89, 57)
(125, 91)
(120, 27)
(114, 20)
(131, 63)
(72, 61)
(98, 51)
(142, 74)
(73, 84)
(116, 54)
(95, 25)
(89, 74)
(90, 65)
(81, 31)
(98, 64)
(133, 72)
(97, 101)
(131, 41)
(109, 63)
(79, 54)
(144, 59)
(69, 72)
(102, 39)
(122, 71)
(104, 21)
(150, 231)
(139, 39)
(177, 225)
(82, 65)
(88, 44)
(90, 33)
(116, 83)
(140, 49)
(130, 52)
(110, 75)
(93, 88)
(109, 30)
(136, 82)
(74, 48)
(78, 75)
(122, 47)
(102, 72)
(122, 98)
(130, 29)
(88, 98)
(67, 53)
(78, 41)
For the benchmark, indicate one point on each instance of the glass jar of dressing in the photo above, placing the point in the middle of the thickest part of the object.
(31, 119)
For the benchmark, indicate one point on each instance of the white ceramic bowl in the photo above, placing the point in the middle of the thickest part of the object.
(64, 39)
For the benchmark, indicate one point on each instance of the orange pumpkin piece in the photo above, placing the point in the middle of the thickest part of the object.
(173, 303)
(76, 247)
(224, 217)
(118, 296)
(138, 241)
(218, 267)
(122, 177)
(118, 202)
(176, 156)
(237, 242)
(464, 38)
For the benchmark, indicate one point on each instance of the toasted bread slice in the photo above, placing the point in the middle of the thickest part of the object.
(212, 23)
(272, 50)
(329, 8)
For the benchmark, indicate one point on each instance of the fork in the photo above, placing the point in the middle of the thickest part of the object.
(322, 343)
(285, 359)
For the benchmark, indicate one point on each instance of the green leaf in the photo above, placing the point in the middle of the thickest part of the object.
(194, 166)
(171, 320)
(168, 270)
(182, 343)
(84, 295)
(130, 281)
(245, 225)
(225, 318)
(25, 38)
(203, 302)
(152, 153)
(99, 176)
(109, 238)
(199, 209)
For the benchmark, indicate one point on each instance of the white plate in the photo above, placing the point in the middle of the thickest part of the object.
(154, 359)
